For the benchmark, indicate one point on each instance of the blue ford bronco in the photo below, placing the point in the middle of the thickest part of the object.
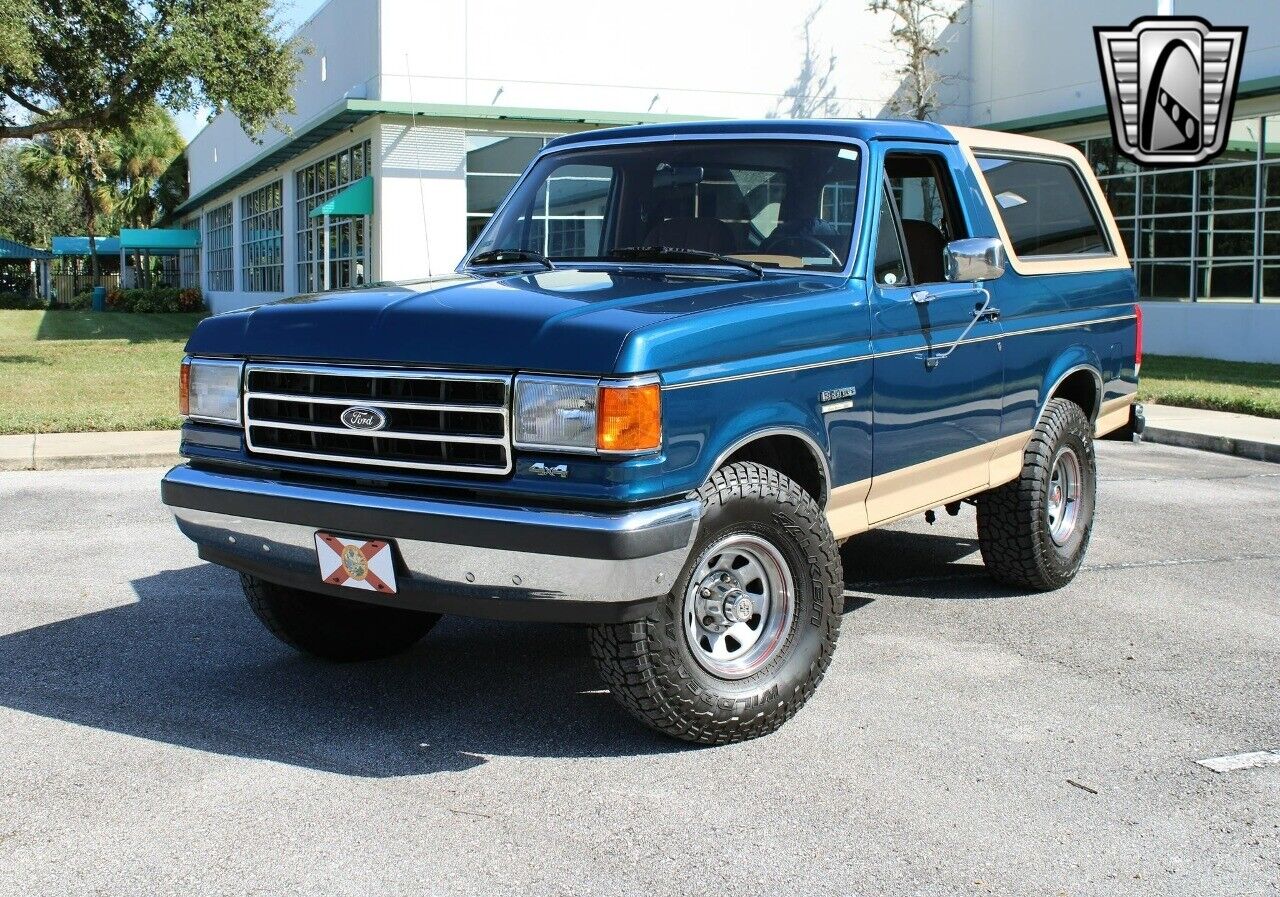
(676, 371)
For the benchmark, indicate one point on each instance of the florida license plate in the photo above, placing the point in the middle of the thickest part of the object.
(356, 563)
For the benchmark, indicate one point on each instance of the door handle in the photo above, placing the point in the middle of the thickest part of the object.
(990, 314)
(921, 297)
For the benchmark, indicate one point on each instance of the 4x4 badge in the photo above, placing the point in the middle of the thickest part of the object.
(1170, 84)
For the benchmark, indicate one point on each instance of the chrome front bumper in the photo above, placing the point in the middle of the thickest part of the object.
(451, 556)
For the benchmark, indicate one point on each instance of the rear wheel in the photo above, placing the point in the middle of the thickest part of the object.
(1035, 530)
(334, 628)
(746, 635)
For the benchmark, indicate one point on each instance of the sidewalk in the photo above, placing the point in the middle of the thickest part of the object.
(1214, 431)
(52, 451)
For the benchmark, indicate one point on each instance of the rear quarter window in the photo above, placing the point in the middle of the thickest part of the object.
(1045, 207)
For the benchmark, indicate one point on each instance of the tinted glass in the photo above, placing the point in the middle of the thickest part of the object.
(1044, 207)
(779, 203)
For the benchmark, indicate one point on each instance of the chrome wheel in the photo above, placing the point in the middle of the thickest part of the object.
(1063, 505)
(738, 606)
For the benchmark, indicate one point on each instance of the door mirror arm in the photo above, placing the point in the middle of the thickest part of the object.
(975, 259)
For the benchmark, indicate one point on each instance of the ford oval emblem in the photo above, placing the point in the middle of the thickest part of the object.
(361, 418)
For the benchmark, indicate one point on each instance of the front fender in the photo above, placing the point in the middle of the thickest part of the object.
(707, 423)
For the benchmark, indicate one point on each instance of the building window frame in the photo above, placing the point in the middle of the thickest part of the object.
(219, 238)
(189, 259)
(1203, 216)
(262, 239)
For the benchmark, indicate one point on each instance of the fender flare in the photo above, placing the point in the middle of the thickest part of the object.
(1075, 359)
(761, 423)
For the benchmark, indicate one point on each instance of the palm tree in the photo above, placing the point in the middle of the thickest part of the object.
(83, 162)
(146, 151)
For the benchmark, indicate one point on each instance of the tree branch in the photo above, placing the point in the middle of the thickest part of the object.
(25, 104)
(75, 122)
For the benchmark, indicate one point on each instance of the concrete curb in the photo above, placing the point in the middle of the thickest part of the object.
(1206, 442)
(80, 451)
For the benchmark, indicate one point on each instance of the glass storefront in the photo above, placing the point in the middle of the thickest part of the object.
(1207, 234)
(348, 236)
(494, 164)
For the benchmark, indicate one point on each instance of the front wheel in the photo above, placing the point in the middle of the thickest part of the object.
(1035, 530)
(744, 638)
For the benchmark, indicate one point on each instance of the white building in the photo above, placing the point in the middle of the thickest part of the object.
(442, 104)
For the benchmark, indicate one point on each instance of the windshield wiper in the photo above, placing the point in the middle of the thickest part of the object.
(678, 254)
(502, 256)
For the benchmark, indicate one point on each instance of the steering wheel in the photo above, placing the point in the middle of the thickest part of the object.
(772, 246)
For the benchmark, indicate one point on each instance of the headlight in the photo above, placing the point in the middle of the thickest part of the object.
(565, 414)
(209, 389)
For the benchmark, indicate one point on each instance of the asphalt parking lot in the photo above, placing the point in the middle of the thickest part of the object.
(967, 740)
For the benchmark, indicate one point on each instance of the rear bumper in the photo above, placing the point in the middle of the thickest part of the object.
(451, 557)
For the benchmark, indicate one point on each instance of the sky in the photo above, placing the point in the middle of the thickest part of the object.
(292, 14)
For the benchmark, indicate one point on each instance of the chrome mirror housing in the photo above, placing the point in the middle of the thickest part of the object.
(977, 258)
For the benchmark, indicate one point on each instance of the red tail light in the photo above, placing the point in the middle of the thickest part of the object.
(1137, 342)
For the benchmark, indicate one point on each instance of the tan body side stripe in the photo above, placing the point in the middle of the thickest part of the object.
(1114, 414)
(874, 502)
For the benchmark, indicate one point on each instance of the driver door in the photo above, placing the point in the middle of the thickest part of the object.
(935, 419)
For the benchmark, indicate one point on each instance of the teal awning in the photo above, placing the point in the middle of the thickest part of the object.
(157, 238)
(356, 199)
(12, 249)
(80, 245)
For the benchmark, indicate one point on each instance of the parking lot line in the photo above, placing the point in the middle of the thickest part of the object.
(1251, 760)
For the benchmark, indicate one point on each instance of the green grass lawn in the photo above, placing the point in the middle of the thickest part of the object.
(1217, 385)
(70, 371)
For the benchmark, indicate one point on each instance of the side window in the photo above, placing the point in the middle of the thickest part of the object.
(891, 266)
(926, 199)
(1044, 207)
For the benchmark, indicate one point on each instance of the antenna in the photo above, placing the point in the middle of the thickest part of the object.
(422, 199)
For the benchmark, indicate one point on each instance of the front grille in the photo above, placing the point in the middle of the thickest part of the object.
(435, 420)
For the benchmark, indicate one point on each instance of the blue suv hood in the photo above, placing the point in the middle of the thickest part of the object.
(567, 320)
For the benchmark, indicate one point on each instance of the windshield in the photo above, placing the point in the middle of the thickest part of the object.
(777, 203)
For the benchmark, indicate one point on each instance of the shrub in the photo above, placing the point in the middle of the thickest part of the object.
(190, 299)
(21, 301)
(155, 299)
(81, 301)
(14, 282)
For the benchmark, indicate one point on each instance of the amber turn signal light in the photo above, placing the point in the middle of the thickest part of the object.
(629, 418)
(184, 388)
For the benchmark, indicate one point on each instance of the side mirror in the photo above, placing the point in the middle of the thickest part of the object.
(977, 258)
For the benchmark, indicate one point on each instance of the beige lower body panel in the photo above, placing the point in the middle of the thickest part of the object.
(1114, 414)
(865, 504)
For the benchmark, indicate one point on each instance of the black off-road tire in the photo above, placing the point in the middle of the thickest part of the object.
(649, 665)
(1013, 523)
(332, 628)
